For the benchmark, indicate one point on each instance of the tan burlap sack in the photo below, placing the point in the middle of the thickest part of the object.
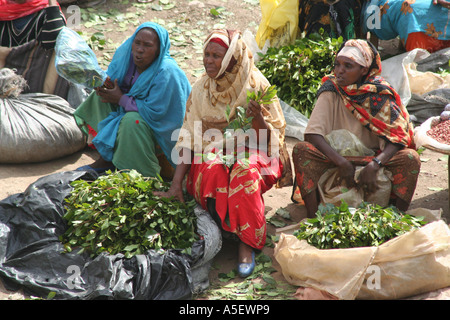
(408, 265)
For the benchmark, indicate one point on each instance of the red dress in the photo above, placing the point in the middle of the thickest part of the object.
(238, 192)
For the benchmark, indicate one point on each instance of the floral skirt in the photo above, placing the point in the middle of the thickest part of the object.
(238, 193)
(310, 164)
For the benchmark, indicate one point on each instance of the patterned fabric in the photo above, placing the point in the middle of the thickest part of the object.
(402, 17)
(375, 104)
(359, 51)
(11, 10)
(310, 164)
(338, 18)
(238, 193)
(43, 26)
(210, 98)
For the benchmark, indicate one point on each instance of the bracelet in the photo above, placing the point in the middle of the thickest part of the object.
(377, 161)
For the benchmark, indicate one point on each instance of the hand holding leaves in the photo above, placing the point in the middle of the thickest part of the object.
(244, 117)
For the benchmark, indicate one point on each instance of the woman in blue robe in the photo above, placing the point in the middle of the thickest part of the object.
(138, 110)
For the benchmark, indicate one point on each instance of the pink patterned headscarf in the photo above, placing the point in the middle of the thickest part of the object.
(359, 51)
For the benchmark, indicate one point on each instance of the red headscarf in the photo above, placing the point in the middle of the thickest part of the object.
(10, 10)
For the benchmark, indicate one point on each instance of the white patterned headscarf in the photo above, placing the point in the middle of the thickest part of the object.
(358, 51)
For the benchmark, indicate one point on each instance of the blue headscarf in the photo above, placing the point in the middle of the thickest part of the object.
(160, 92)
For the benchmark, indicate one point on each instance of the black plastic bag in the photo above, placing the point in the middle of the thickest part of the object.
(32, 257)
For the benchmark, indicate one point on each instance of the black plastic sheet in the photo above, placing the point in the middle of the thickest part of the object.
(32, 257)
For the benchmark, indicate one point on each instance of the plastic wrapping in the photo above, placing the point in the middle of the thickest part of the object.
(32, 257)
(76, 62)
(331, 193)
(347, 144)
(279, 22)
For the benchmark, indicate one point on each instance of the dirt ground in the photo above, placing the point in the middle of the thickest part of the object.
(432, 190)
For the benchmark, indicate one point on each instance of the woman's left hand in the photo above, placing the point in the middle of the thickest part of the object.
(112, 95)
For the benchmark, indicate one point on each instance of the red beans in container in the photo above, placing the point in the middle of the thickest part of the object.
(441, 132)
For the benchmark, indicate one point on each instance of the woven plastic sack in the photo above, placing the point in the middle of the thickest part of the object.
(37, 127)
(76, 62)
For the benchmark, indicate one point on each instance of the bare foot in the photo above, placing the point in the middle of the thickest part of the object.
(245, 253)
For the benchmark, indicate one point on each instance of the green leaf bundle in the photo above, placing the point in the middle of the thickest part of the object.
(118, 213)
(344, 227)
(297, 69)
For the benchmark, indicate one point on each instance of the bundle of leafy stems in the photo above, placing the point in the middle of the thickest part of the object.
(239, 124)
(118, 214)
(297, 69)
(345, 227)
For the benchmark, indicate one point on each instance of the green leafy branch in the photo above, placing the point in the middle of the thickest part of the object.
(297, 69)
(118, 213)
(367, 225)
(240, 121)
(260, 285)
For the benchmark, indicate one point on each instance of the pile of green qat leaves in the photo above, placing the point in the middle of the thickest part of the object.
(118, 213)
(344, 227)
(297, 69)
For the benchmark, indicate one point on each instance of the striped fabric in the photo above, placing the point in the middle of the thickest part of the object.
(43, 26)
(36, 65)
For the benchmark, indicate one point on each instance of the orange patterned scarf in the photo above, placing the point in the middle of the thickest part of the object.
(375, 103)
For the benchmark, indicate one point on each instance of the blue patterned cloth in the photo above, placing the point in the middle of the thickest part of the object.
(402, 17)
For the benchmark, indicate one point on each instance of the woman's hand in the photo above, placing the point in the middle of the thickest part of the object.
(444, 3)
(367, 179)
(346, 173)
(368, 176)
(254, 110)
(175, 191)
(346, 170)
(112, 95)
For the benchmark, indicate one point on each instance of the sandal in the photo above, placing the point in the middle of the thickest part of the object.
(246, 269)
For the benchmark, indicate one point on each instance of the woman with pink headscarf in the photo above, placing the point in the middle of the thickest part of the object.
(22, 21)
(356, 98)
